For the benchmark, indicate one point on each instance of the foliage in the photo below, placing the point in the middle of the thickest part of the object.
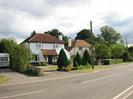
(62, 60)
(130, 50)
(34, 71)
(86, 58)
(102, 51)
(117, 50)
(78, 59)
(33, 33)
(110, 35)
(75, 64)
(112, 61)
(19, 54)
(86, 34)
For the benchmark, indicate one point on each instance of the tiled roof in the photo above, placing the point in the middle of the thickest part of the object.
(49, 52)
(43, 38)
(78, 43)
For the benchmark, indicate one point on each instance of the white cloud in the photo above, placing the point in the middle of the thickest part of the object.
(19, 18)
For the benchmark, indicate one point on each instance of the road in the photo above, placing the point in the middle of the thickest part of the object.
(115, 83)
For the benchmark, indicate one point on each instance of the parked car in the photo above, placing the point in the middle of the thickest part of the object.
(4, 60)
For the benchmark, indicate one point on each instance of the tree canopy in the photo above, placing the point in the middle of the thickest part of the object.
(117, 50)
(109, 34)
(102, 51)
(86, 34)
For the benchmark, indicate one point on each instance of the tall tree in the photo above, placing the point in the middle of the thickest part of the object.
(102, 51)
(117, 50)
(86, 34)
(110, 35)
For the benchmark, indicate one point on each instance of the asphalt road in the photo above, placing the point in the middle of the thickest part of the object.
(116, 83)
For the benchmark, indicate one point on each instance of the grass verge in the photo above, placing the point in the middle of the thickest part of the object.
(3, 79)
(52, 67)
(89, 69)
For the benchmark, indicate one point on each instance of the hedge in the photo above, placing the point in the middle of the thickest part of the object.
(111, 61)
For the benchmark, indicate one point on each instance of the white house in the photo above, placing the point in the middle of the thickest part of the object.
(45, 47)
(78, 46)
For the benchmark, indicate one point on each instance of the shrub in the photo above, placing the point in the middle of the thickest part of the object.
(34, 71)
(62, 61)
(78, 59)
(19, 54)
(112, 61)
(86, 58)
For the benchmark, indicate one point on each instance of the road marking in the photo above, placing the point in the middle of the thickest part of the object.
(104, 77)
(128, 95)
(24, 94)
(124, 92)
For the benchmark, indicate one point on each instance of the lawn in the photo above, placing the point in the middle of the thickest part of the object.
(52, 67)
(89, 69)
(83, 69)
(3, 79)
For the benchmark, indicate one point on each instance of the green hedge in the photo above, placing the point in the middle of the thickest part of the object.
(112, 61)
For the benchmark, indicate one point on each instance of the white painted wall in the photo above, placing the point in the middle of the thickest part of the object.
(56, 46)
(34, 49)
(76, 49)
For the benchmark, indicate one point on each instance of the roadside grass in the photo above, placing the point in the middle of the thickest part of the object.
(52, 67)
(85, 69)
(3, 79)
(89, 69)
(99, 67)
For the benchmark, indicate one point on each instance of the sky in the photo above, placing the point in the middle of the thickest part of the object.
(18, 18)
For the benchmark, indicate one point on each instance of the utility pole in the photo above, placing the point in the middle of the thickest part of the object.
(92, 45)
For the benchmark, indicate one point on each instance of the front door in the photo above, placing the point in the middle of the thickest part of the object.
(50, 59)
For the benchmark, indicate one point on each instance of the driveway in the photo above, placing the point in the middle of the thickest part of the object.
(18, 78)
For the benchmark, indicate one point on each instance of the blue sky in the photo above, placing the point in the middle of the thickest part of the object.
(18, 18)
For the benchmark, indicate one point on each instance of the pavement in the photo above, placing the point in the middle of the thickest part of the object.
(115, 83)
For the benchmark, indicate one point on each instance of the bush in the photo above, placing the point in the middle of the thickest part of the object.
(78, 59)
(86, 58)
(19, 54)
(112, 61)
(62, 61)
(34, 71)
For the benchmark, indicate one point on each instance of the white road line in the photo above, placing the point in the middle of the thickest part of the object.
(119, 95)
(24, 94)
(104, 77)
(125, 97)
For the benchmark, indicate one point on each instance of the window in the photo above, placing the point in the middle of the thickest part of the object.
(3, 59)
(55, 46)
(38, 46)
(80, 48)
